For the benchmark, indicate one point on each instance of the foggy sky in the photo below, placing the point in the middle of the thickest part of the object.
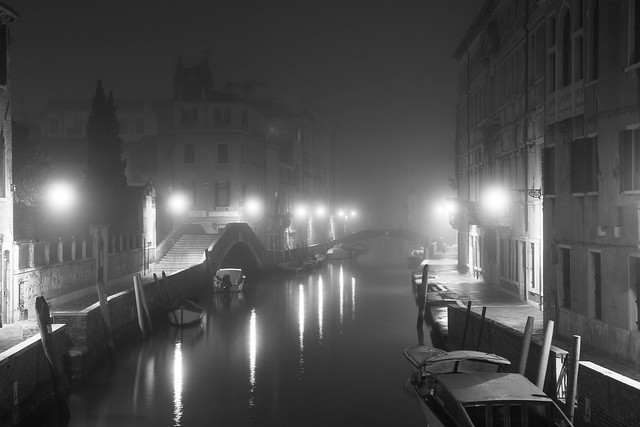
(381, 70)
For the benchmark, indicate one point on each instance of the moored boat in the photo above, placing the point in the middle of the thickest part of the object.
(338, 252)
(470, 388)
(186, 314)
(228, 280)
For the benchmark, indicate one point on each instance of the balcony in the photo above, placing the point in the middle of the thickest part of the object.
(565, 103)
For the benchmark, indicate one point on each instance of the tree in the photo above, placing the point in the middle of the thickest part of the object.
(31, 170)
(105, 179)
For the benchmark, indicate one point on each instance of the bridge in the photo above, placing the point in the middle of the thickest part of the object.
(238, 246)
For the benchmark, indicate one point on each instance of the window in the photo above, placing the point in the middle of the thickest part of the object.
(189, 117)
(222, 194)
(634, 284)
(3, 178)
(565, 279)
(189, 189)
(630, 160)
(3, 55)
(549, 170)
(634, 32)
(139, 127)
(584, 165)
(189, 154)
(595, 280)
(594, 41)
(566, 50)
(223, 153)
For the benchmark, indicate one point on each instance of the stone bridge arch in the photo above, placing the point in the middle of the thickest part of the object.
(400, 234)
(238, 247)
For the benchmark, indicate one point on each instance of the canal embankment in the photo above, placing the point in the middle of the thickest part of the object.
(606, 389)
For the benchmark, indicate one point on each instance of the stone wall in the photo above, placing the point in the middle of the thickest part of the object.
(25, 379)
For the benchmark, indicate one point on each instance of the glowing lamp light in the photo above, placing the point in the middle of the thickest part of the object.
(61, 196)
(321, 211)
(178, 203)
(253, 207)
(301, 211)
(496, 201)
(354, 214)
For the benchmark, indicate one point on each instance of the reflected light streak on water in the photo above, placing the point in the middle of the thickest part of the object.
(252, 348)
(320, 307)
(301, 324)
(177, 384)
(341, 284)
(353, 298)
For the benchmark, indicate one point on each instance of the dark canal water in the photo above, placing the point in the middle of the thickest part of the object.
(323, 348)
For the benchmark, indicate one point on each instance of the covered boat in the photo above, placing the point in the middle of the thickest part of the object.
(186, 314)
(228, 280)
(338, 252)
(487, 399)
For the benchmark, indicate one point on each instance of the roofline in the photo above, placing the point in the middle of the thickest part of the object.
(7, 13)
(478, 23)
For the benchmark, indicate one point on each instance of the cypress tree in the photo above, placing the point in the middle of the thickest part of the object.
(105, 177)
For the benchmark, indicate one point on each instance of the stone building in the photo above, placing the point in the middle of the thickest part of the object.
(498, 147)
(549, 106)
(9, 308)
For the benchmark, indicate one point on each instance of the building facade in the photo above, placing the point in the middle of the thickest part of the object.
(549, 103)
(235, 155)
(9, 298)
(498, 147)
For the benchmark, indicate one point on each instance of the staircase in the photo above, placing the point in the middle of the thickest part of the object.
(186, 252)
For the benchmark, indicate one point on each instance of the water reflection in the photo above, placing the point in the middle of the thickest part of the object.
(341, 286)
(320, 307)
(301, 324)
(353, 298)
(178, 378)
(253, 351)
(177, 384)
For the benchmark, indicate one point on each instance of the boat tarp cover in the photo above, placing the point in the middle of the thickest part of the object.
(234, 274)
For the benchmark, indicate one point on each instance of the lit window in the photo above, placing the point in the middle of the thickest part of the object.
(630, 160)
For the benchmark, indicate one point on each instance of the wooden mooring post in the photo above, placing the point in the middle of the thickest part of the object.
(57, 374)
(106, 318)
(544, 356)
(572, 380)
(526, 343)
(484, 312)
(466, 325)
(144, 321)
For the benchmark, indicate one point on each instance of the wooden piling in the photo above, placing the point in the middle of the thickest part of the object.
(143, 316)
(484, 312)
(526, 342)
(466, 325)
(572, 380)
(106, 318)
(57, 375)
(544, 356)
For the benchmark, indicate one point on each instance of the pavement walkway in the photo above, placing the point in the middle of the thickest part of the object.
(15, 333)
(448, 286)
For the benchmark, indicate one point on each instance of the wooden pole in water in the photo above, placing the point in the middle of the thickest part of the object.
(484, 312)
(466, 325)
(106, 318)
(544, 356)
(526, 342)
(142, 318)
(572, 380)
(57, 375)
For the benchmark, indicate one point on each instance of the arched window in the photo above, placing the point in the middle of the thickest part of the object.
(223, 194)
(189, 188)
(594, 39)
(565, 47)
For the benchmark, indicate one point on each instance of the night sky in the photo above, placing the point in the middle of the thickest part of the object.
(381, 70)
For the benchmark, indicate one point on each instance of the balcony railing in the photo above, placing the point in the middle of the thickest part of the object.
(566, 102)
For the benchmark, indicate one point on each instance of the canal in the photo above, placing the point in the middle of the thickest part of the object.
(323, 348)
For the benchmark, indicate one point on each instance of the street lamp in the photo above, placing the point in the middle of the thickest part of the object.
(178, 204)
(61, 196)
